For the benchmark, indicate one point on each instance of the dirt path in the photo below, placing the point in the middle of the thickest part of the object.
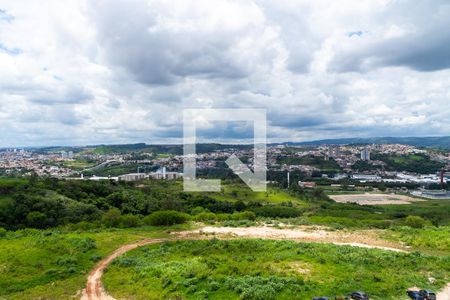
(95, 291)
(94, 288)
(444, 294)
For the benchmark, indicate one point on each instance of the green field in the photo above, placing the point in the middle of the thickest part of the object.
(54, 264)
(257, 269)
(237, 192)
(318, 162)
(419, 163)
(79, 164)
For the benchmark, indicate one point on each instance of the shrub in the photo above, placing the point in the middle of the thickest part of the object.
(205, 216)
(83, 244)
(2, 232)
(165, 218)
(277, 211)
(197, 210)
(36, 219)
(127, 221)
(83, 226)
(415, 222)
(112, 218)
(245, 215)
(95, 257)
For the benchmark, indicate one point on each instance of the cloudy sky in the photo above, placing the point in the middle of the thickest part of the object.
(90, 72)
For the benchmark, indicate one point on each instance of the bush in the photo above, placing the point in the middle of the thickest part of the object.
(245, 215)
(415, 222)
(165, 218)
(128, 221)
(112, 218)
(2, 232)
(83, 226)
(197, 210)
(83, 244)
(36, 219)
(277, 211)
(205, 216)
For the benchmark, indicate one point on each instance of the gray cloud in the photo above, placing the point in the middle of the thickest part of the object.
(160, 51)
(60, 95)
(415, 36)
(102, 72)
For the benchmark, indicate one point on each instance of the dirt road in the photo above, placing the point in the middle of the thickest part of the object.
(95, 291)
(94, 288)
(444, 294)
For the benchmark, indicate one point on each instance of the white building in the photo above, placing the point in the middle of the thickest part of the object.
(132, 177)
(364, 177)
(365, 154)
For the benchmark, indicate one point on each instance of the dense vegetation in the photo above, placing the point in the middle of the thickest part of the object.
(362, 166)
(50, 202)
(256, 269)
(417, 163)
(326, 166)
(36, 203)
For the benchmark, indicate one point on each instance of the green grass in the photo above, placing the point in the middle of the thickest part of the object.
(116, 170)
(233, 192)
(79, 164)
(51, 265)
(318, 162)
(429, 239)
(419, 163)
(236, 192)
(265, 269)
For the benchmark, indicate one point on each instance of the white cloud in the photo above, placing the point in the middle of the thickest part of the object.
(87, 72)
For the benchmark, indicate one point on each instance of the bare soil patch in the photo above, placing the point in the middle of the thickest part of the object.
(374, 199)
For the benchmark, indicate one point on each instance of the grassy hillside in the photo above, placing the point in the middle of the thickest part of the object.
(257, 269)
(418, 163)
(54, 264)
(313, 161)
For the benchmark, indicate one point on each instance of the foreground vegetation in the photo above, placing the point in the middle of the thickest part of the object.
(257, 269)
(76, 223)
(53, 264)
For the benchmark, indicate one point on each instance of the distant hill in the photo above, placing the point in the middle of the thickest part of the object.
(429, 142)
(175, 149)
